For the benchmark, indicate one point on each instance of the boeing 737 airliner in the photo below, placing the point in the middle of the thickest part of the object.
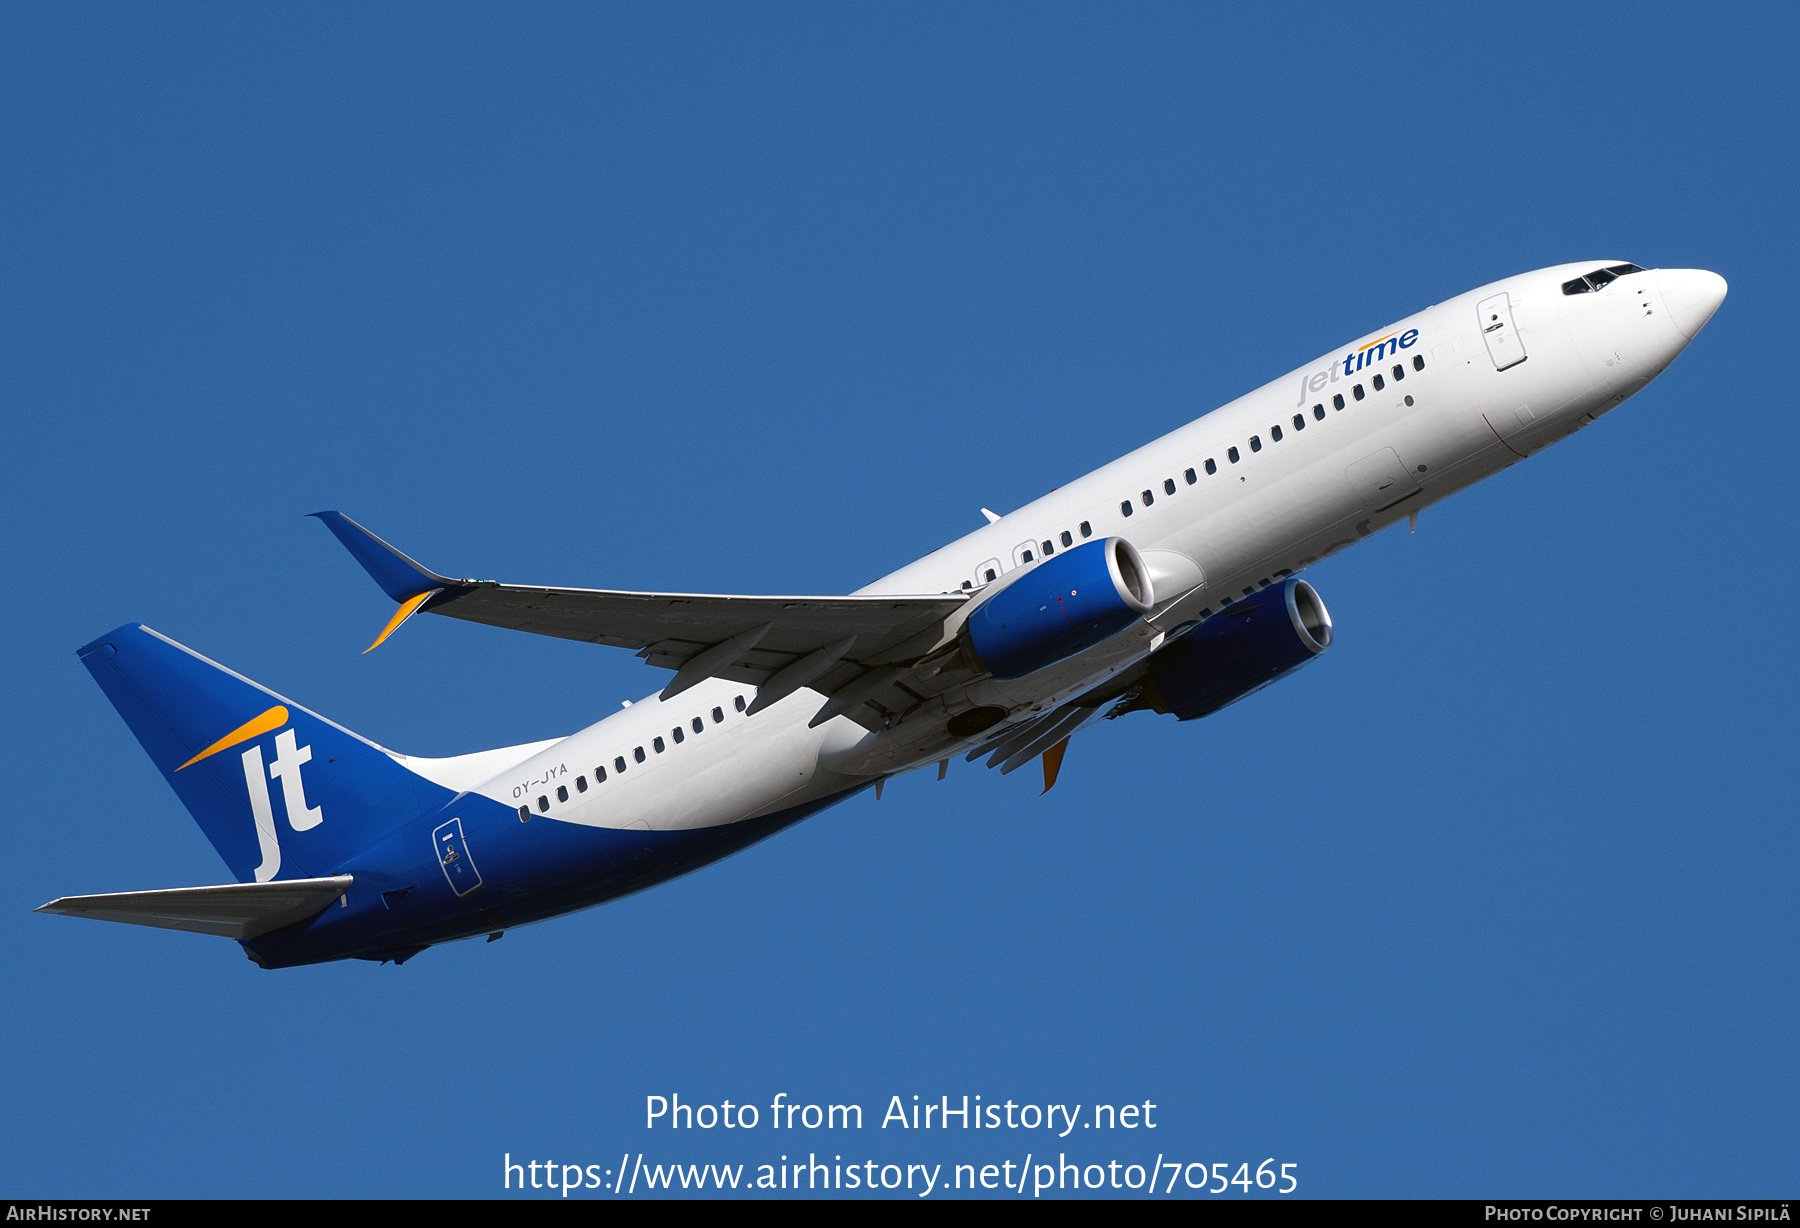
(1168, 580)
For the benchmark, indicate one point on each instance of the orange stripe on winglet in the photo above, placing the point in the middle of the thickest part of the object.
(256, 726)
(407, 609)
(1053, 764)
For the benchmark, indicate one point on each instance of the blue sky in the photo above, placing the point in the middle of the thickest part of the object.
(1496, 899)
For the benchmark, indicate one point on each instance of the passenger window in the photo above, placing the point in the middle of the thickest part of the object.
(968, 584)
(1212, 466)
(1125, 508)
(657, 743)
(637, 752)
(739, 701)
(679, 736)
(1418, 362)
(544, 804)
(1231, 454)
(1275, 433)
(1399, 372)
(1379, 384)
(1067, 538)
(1026, 556)
(1357, 391)
(1168, 486)
(581, 784)
(1299, 422)
(600, 773)
(619, 763)
(1256, 443)
(699, 725)
(989, 573)
(1085, 530)
(524, 814)
(1319, 412)
(1191, 477)
(562, 793)
(718, 716)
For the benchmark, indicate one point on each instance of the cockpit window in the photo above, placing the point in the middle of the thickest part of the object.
(1598, 278)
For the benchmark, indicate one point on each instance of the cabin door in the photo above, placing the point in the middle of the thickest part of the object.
(1504, 345)
(453, 856)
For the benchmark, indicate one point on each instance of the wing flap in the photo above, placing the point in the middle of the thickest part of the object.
(233, 910)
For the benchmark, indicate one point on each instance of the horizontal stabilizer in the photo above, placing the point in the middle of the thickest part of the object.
(236, 910)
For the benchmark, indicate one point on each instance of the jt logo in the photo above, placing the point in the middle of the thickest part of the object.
(286, 768)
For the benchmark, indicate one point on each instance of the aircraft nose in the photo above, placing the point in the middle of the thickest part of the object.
(1691, 295)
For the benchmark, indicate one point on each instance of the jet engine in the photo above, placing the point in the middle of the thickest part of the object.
(1063, 606)
(1238, 651)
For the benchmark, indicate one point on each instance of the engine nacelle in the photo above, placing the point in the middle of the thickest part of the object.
(1063, 606)
(1242, 649)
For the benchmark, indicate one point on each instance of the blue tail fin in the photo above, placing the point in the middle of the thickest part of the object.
(281, 792)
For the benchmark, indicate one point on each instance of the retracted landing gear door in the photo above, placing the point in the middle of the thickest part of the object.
(453, 857)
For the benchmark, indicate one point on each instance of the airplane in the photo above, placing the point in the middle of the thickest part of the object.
(1166, 581)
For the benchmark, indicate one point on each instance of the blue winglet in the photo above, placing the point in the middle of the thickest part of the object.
(399, 577)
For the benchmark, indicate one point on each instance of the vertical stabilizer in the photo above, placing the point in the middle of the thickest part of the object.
(281, 792)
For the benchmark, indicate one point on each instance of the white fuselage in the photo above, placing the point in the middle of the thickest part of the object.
(1302, 487)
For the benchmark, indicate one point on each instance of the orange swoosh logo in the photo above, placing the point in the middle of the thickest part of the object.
(256, 726)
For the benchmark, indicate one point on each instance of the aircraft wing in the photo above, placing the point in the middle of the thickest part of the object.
(855, 650)
(234, 910)
(1044, 737)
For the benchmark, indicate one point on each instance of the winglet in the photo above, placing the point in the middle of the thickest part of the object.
(399, 577)
(407, 609)
(1053, 765)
